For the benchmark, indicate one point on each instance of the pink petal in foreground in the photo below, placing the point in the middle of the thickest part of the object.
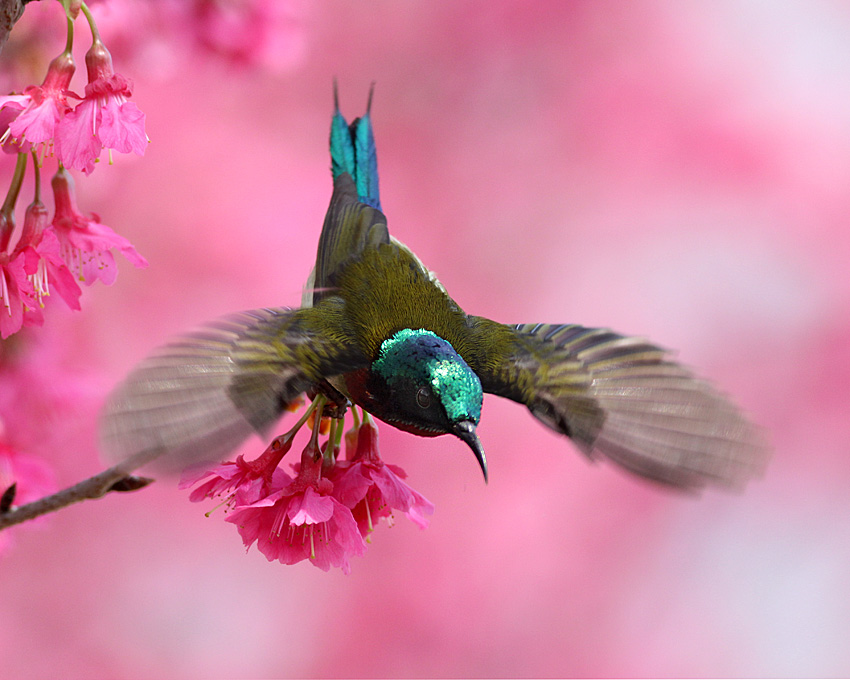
(57, 273)
(85, 242)
(373, 489)
(122, 127)
(310, 508)
(37, 124)
(77, 146)
(298, 523)
(13, 280)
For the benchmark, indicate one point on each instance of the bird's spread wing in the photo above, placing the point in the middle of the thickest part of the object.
(623, 398)
(202, 395)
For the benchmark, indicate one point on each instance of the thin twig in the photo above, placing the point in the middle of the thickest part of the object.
(116, 478)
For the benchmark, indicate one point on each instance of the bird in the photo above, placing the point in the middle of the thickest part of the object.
(377, 329)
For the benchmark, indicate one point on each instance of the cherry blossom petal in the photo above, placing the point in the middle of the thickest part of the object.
(326, 544)
(37, 123)
(77, 146)
(12, 279)
(122, 127)
(351, 484)
(310, 508)
(86, 249)
(60, 277)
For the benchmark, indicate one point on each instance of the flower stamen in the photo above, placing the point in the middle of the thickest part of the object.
(369, 516)
(4, 293)
(226, 501)
(40, 282)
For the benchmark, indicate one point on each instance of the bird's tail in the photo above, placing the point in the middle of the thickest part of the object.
(353, 151)
(354, 221)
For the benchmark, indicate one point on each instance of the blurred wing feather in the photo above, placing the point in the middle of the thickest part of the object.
(202, 395)
(623, 398)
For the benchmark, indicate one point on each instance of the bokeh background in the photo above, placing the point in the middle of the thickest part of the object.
(674, 170)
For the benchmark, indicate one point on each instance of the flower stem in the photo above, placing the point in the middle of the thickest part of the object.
(320, 402)
(15, 186)
(7, 211)
(334, 438)
(267, 461)
(303, 419)
(92, 25)
(340, 426)
(35, 167)
(69, 40)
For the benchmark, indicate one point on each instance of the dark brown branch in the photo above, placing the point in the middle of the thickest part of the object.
(8, 498)
(116, 479)
(10, 12)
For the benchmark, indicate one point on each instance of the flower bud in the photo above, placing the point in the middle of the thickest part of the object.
(98, 62)
(59, 73)
(63, 193)
(35, 220)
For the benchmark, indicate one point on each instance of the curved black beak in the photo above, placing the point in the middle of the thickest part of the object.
(465, 430)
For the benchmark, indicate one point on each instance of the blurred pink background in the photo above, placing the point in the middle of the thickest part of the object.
(674, 170)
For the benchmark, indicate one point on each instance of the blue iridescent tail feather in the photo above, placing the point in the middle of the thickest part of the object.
(353, 151)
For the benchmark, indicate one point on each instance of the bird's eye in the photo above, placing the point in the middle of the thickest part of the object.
(423, 397)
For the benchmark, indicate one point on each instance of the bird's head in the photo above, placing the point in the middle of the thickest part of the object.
(428, 388)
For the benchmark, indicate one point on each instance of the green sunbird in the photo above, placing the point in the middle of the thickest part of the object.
(378, 329)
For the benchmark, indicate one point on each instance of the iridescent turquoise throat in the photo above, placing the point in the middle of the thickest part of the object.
(425, 358)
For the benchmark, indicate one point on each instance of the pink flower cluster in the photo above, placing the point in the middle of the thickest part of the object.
(50, 257)
(28, 271)
(325, 511)
(53, 257)
(42, 118)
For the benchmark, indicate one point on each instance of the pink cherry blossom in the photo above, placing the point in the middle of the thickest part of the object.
(45, 105)
(237, 483)
(16, 290)
(77, 145)
(373, 489)
(85, 243)
(291, 527)
(302, 521)
(19, 300)
(241, 482)
(122, 124)
(50, 268)
(52, 273)
(103, 119)
(221, 480)
(10, 108)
